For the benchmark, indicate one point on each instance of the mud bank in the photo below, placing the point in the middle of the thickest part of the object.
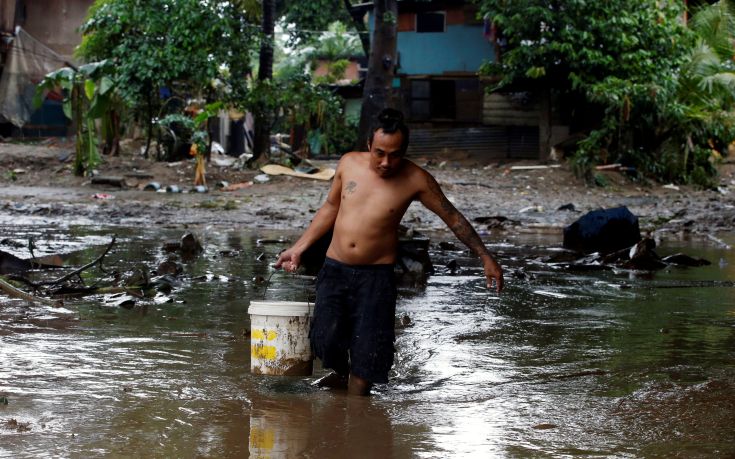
(36, 185)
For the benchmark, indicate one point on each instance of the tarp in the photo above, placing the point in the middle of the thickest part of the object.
(28, 62)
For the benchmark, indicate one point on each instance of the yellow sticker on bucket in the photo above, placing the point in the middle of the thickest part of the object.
(262, 438)
(268, 335)
(258, 351)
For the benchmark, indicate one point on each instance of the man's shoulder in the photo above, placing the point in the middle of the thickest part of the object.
(352, 160)
(413, 170)
(352, 155)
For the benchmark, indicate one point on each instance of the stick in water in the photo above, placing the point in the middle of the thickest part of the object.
(14, 292)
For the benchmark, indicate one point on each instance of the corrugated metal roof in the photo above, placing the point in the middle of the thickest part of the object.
(516, 142)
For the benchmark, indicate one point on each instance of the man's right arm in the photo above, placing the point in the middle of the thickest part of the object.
(322, 222)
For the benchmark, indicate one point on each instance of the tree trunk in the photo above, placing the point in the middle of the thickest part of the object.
(149, 126)
(263, 118)
(381, 66)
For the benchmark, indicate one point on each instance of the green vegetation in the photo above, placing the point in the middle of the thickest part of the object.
(90, 95)
(663, 92)
(170, 65)
(164, 49)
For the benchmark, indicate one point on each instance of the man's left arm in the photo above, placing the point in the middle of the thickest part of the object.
(433, 198)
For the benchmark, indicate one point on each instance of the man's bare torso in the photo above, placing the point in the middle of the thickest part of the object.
(370, 210)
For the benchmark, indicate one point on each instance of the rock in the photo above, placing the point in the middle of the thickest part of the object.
(453, 266)
(138, 277)
(570, 207)
(152, 186)
(165, 283)
(190, 245)
(604, 230)
(449, 246)
(521, 274)
(169, 267)
(173, 189)
(496, 221)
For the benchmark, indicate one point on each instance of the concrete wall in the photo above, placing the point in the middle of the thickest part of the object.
(55, 22)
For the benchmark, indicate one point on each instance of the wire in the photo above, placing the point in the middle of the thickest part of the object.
(347, 32)
(22, 52)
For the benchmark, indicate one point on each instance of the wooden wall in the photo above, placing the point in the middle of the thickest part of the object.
(506, 110)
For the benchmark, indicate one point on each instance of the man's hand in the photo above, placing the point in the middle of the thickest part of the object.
(289, 260)
(493, 271)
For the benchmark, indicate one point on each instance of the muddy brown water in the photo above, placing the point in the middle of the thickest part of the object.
(611, 363)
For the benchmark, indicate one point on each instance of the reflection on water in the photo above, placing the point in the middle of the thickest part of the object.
(600, 363)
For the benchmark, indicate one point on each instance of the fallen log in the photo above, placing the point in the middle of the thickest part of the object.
(10, 290)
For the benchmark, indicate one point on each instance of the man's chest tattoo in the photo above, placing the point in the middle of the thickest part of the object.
(351, 186)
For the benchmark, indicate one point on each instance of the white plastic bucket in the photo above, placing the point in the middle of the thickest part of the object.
(279, 338)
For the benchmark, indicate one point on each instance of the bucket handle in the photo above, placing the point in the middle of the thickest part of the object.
(268, 284)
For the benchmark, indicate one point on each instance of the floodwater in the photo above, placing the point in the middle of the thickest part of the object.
(596, 363)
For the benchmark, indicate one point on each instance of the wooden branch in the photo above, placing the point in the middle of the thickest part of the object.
(16, 293)
(19, 278)
(88, 265)
(84, 291)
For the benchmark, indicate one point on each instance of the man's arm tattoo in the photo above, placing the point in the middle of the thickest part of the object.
(437, 191)
(467, 234)
(351, 185)
(462, 228)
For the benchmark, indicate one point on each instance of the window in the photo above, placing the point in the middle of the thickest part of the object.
(430, 22)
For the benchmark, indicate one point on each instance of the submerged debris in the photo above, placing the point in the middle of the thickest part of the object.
(641, 256)
(604, 230)
(13, 424)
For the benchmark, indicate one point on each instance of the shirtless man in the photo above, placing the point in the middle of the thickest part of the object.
(353, 327)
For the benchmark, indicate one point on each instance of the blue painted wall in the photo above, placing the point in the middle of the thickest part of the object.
(462, 48)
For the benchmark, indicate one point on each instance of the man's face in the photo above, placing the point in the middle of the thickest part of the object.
(385, 153)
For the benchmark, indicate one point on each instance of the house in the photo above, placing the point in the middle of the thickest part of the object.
(441, 47)
(37, 36)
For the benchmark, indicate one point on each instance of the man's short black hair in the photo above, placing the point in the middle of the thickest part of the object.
(390, 120)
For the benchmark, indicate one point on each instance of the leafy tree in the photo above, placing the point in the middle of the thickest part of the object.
(634, 60)
(313, 17)
(335, 46)
(183, 45)
(380, 48)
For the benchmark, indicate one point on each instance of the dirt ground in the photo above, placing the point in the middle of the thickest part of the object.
(37, 185)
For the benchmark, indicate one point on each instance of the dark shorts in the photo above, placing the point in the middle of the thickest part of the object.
(353, 326)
